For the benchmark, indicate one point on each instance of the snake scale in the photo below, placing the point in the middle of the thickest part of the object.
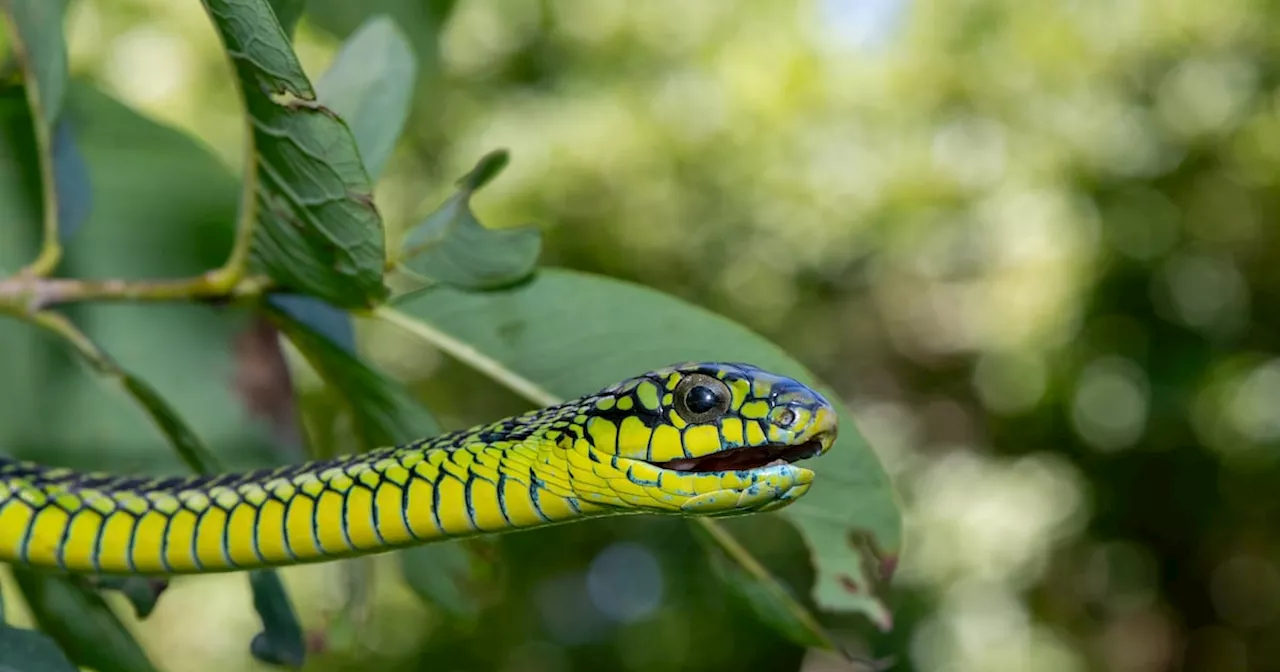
(711, 439)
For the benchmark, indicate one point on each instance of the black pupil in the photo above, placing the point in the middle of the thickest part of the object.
(701, 399)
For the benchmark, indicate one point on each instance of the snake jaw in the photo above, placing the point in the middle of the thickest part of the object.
(801, 443)
(746, 458)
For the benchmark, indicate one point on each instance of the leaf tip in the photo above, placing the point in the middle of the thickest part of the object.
(382, 21)
(485, 170)
(264, 650)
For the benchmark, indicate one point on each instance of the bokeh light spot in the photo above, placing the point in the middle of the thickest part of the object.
(1110, 405)
(568, 613)
(1246, 591)
(1010, 382)
(625, 582)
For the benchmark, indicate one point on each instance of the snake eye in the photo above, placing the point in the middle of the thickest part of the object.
(701, 398)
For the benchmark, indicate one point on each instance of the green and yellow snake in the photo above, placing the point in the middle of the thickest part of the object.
(708, 439)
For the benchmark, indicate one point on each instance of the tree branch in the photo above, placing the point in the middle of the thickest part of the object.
(26, 295)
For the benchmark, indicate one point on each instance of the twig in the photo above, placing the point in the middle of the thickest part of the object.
(24, 294)
(752, 566)
(246, 221)
(77, 339)
(469, 356)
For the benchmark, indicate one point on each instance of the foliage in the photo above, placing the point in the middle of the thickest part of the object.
(180, 274)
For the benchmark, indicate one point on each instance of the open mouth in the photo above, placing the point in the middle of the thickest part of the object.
(742, 459)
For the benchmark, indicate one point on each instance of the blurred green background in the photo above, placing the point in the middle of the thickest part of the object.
(1028, 242)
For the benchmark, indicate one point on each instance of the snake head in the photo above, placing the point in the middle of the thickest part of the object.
(709, 438)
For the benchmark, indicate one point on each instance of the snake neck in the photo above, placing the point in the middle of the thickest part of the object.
(517, 473)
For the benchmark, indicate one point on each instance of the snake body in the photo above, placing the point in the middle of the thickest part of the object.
(695, 439)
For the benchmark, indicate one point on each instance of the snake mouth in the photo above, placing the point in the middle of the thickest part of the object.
(745, 458)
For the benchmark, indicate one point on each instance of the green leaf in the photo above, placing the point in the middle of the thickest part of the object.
(281, 641)
(24, 650)
(422, 21)
(317, 231)
(459, 577)
(451, 246)
(332, 323)
(84, 625)
(563, 333)
(370, 85)
(485, 170)
(384, 411)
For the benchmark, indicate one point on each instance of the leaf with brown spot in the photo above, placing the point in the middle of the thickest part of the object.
(317, 230)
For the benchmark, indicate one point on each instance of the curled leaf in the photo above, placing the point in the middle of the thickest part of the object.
(452, 246)
(142, 592)
(281, 641)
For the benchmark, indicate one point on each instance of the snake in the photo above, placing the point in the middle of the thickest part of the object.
(710, 439)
